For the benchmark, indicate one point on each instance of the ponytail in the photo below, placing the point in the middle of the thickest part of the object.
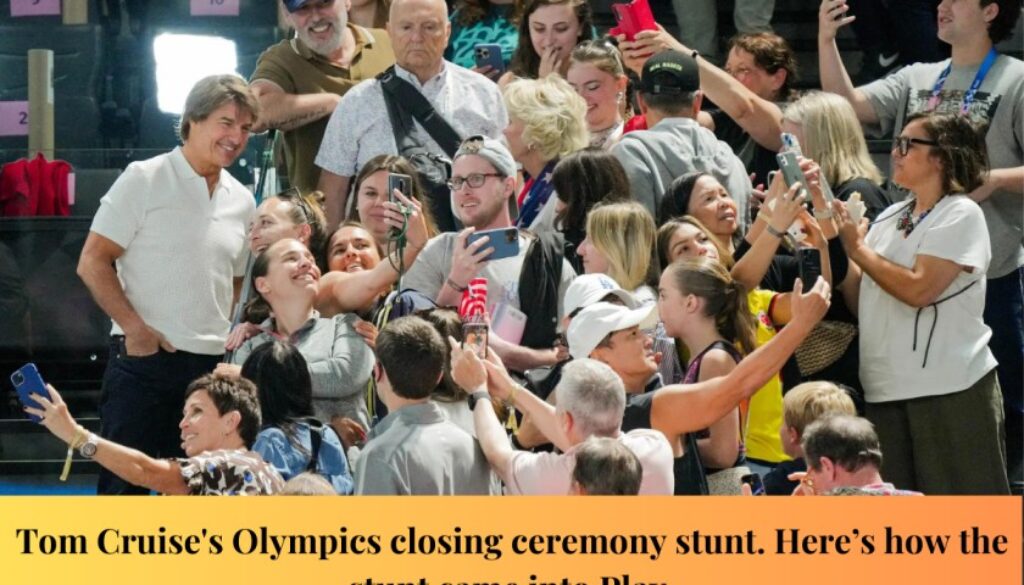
(726, 299)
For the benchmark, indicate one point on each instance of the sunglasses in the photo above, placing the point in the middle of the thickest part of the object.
(903, 143)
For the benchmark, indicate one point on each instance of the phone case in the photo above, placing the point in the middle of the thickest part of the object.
(632, 18)
(401, 182)
(27, 381)
(489, 54)
(505, 242)
(809, 263)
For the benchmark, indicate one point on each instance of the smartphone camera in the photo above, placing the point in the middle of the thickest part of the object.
(483, 52)
(511, 236)
(17, 378)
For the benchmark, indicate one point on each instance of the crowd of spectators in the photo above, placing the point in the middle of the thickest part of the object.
(665, 312)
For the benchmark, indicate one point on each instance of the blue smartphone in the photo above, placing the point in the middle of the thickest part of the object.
(505, 242)
(489, 54)
(27, 382)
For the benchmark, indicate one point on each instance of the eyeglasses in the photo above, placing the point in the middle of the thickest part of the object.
(474, 180)
(903, 143)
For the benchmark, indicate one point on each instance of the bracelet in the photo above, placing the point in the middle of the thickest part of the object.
(695, 54)
(768, 228)
(510, 402)
(80, 437)
(455, 287)
(826, 214)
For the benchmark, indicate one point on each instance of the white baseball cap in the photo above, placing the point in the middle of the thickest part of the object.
(595, 322)
(588, 289)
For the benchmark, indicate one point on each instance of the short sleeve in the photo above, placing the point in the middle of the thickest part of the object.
(271, 68)
(886, 95)
(376, 477)
(539, 474)
(339, 150)
(959, 234)
(428, 272)
(192, 473)
(122, 209)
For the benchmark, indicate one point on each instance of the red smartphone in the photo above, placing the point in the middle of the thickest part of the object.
(632, 18)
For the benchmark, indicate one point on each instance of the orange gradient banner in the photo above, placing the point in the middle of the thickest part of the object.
(511, 541)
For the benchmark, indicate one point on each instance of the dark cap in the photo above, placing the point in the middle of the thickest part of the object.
(293, 5)
(670, 73)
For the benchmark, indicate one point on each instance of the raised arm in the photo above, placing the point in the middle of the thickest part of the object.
(135, 467)
(692, 407)
(834, 78)
(287, 111)
(335, 190)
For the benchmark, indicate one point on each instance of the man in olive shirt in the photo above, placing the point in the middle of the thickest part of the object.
(299, 81)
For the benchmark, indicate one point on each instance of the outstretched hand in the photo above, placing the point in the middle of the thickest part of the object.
(54, 415)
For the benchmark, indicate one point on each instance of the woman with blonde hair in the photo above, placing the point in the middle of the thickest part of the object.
(829, 133)
(620, 243)
(596, 73)
(547, 121)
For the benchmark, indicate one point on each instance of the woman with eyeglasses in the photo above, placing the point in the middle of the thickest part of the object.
(597, 75)
(929, 377)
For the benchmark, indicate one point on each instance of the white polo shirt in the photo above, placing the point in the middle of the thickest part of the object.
(890, 366)
(182, 247)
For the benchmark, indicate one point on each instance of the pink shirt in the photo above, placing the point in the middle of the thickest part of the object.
(551, 473)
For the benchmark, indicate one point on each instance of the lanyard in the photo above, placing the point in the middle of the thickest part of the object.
(934, 100)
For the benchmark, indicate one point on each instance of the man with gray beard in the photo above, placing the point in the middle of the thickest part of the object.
(299, 81)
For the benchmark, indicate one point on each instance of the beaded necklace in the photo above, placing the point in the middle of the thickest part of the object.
(906, 222)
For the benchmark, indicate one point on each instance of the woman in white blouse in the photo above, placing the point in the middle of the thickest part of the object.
(928, 375)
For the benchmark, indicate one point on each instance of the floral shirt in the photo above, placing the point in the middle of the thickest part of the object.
(225, 472)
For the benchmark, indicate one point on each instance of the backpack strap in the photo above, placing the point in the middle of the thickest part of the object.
(316, 437)
(402, 100)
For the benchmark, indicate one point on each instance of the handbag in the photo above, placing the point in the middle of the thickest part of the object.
(404, 104)
(825, 344)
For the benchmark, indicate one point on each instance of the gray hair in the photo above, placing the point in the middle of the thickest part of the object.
(212, 92)
(606, 467)
(594, 395)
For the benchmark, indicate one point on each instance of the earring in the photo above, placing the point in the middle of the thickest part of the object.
(619, 96)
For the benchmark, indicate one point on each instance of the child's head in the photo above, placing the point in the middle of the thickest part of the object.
(807, 403)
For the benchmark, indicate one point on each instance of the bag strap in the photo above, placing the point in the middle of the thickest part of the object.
(402, 97)
(316, 436)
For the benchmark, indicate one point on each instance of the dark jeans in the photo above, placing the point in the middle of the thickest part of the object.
(1004, 314)
(141, 404)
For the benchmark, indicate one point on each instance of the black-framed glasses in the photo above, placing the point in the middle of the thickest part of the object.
(903, 143)
(474, 180)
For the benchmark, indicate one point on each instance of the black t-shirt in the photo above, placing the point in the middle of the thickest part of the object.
(758, 159)
(875, 197)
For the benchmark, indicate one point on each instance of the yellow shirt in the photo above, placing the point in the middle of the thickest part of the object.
(765, 414)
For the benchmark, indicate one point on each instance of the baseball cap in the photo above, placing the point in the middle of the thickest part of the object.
(293, 5)
(588, 289)
(670, 72)
(594, 323)
(490, 149)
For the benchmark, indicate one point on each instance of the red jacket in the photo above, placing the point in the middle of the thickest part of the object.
(34, 187)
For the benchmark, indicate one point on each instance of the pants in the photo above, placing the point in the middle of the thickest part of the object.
(698, 21)
(141, 403)
(1004, 314)
(945, 445)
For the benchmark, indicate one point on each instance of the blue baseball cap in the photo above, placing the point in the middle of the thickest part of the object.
(293, 5)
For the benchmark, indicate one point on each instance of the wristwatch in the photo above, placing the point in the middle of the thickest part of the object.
(88, 448)
(826, 214)
(478, 395)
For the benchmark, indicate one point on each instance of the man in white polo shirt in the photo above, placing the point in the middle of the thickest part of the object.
(175, 226)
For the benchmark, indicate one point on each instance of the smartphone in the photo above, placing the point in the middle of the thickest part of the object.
(401, 182)
(505, 242)
(791, 144)
(755, 483)
(474, 337)
(791, 169)
(27, 382)
(632, 18)
(489, 54)
(809, 262)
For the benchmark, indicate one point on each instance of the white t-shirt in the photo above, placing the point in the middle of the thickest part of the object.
(550, 474)
(182, 248)
(958, 356)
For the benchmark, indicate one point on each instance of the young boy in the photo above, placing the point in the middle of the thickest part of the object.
(801, 406)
